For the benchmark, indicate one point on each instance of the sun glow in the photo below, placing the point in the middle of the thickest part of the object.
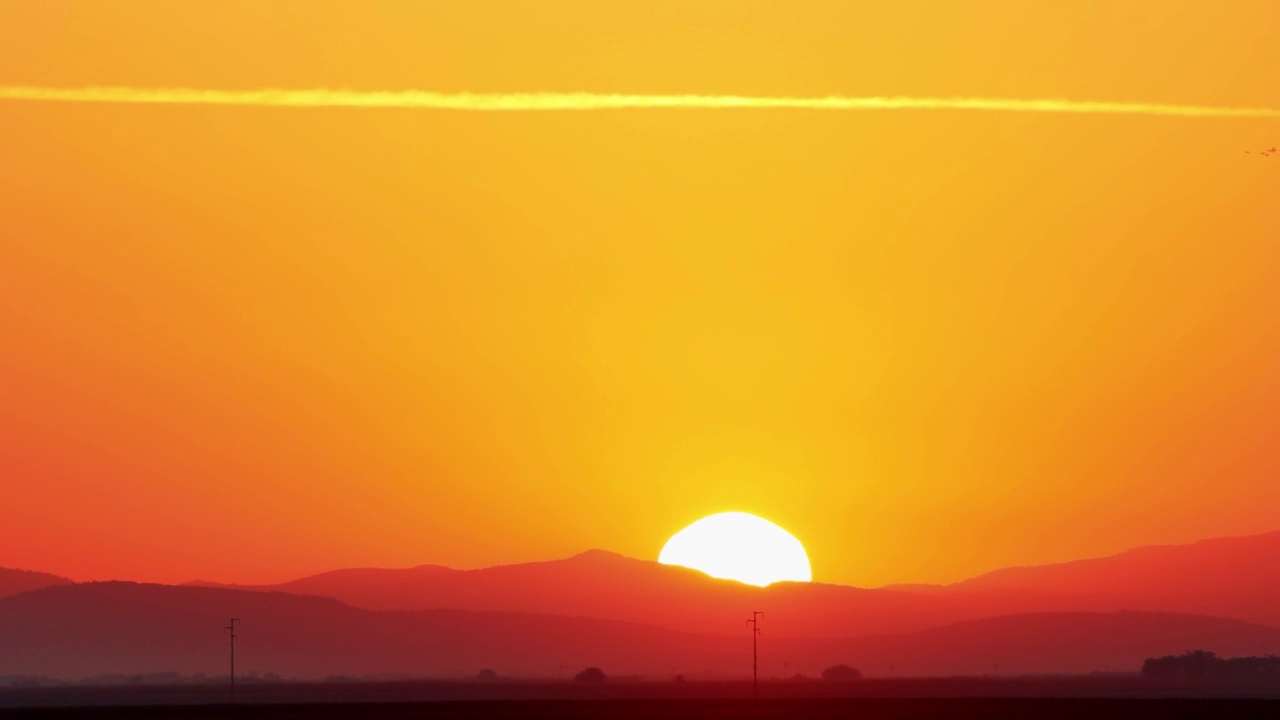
(738, 546)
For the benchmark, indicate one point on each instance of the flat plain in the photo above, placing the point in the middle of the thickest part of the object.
(1094, 697)
(671, 709)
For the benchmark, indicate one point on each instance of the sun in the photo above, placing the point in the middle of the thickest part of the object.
(738, 546)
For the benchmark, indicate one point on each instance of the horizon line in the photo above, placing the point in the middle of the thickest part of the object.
(586, 101)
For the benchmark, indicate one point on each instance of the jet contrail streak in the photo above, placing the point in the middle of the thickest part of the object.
(514, 102)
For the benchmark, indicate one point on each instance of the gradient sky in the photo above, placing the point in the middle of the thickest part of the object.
(250, 344)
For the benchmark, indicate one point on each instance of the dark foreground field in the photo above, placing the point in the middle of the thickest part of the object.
(1091, 697)
(807, 709)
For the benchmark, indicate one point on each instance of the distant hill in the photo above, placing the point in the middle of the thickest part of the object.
(1235, 577)
(13, 582)
(124, 628)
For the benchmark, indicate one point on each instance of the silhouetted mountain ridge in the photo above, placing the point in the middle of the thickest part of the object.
(607, 585)
(1235, 578)
(1232, 577)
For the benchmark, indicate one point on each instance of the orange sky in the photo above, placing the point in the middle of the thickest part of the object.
(249, 344)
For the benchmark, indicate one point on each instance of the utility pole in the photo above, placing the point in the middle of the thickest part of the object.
(232, 631)
(754, 622)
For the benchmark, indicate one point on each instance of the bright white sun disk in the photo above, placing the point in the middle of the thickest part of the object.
(738, 546)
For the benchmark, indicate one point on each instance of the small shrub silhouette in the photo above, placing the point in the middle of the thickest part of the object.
(841, 673)
(591, 675)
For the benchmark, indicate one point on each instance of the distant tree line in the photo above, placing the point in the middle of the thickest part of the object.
(1202, 663)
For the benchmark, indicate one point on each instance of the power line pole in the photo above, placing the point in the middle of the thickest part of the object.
(232, 631)
(754, 622)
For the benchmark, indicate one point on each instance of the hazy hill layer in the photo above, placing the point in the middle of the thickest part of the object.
(1057, 643)
(95, 628)
(99, 628)
(13, 582)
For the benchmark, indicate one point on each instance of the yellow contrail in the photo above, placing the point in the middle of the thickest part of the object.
(541, 101)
